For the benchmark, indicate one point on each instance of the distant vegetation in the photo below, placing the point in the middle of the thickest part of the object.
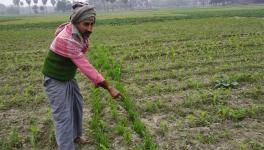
(40, 6)
(191, 79)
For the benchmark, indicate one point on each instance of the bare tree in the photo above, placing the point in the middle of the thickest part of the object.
(44, 2)
(35, 7)
(53, 2)
(146, 4)
(2, 9)
(112, 2)
(202, 2)
(125, 2)
(29, 2)
(21, 3)
(107, 5)
(131, 4)
(35, 2)
(221, 2)
(64, 5)
(16, 3)
(103, 1)
(259, 1)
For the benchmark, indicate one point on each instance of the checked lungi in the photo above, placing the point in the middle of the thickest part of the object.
(66, 103)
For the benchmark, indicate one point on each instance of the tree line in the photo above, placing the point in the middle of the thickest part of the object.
(110, 5)
(225, 2)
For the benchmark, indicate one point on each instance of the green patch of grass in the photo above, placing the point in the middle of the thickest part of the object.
(97, 125)
(164, 127)
(34, 130)
(122, 130)
(240, 113)
(153, 106)
(255, 92)
(13, 141)
(253, 144)
(133, 115)
(212, 137)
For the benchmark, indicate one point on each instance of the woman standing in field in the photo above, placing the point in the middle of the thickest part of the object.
(66, 54)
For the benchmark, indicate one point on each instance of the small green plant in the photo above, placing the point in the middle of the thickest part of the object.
(34, 131)
(49, 113)
(188, 102)
(102, 147)
(191, 120)
(203, 119)
(243, 146)
(254, 92)
(14, 139)
(122, 130)
(211, 137)
(243, 77)
(139, 127)
(239, 114)
(215, 97)
(97, 125)
(250, 144)
(113, 106)
(136, 148)
(253, 109)
(128, 136)
(179, 123)
(206, 138)
(224, 81)
(255, 145)
(193, 83)
(164, 126)
(225, 111)
(148, 143)
(235, 114)
(52, 139)
(153, 105)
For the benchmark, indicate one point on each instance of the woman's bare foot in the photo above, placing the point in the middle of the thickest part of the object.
(80, 140)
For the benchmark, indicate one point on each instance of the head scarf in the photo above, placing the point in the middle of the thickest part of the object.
(82, 11)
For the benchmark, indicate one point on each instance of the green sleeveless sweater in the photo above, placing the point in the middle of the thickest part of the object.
(58, 67)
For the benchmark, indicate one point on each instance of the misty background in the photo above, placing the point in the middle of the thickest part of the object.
(17, 7)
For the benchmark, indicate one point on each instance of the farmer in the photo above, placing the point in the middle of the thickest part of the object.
(66, 54)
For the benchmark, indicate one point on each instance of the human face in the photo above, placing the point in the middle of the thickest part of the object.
(85, 27)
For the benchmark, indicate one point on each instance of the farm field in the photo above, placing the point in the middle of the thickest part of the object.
(192, 78)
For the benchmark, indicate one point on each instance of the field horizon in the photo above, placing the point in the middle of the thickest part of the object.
(192, 78)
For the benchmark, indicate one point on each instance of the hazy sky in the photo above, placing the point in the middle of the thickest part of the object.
(9, 2)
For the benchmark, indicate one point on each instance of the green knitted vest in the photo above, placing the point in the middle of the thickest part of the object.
(58, 67)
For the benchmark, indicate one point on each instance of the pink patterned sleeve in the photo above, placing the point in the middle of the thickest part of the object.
(88, 70)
